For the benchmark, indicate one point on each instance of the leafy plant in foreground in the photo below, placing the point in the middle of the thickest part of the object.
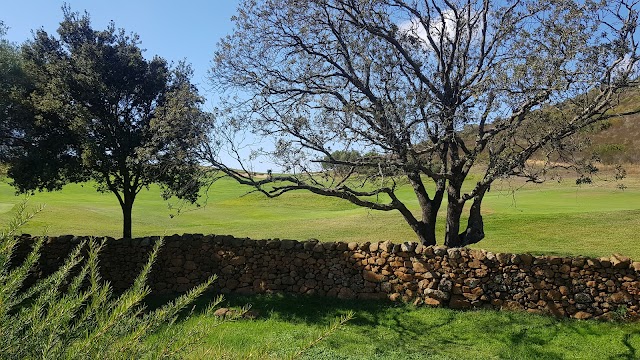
(73, 313)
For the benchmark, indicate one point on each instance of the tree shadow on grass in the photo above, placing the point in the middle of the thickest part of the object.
(393, 330)
(631, 352)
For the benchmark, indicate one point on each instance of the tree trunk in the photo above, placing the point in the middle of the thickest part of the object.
(454, 211)
(425, 228)
(475, 226)
(451, 236)
(127, 207)
(426, 232)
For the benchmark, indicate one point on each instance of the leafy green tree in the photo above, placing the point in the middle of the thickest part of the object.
(13, 82)
(404, 79)
(101, 111)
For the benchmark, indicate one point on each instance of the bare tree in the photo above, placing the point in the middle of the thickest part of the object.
(425, 89)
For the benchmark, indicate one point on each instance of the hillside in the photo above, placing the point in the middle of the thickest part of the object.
(618, 140)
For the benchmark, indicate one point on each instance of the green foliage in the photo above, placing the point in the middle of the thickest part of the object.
(608, 153)
(339, 156)
(99, 110)
(73, 314)
(13, 83)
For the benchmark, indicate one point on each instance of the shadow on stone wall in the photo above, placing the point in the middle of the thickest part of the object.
(459, 278)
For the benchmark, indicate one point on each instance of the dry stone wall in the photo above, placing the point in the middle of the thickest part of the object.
(434, 276)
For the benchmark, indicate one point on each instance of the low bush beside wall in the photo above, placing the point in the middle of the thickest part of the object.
(462, 278)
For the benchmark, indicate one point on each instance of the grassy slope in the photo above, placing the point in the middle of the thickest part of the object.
(558, 218)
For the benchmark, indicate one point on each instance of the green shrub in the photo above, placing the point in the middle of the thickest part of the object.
(74, 314)
(609, 153)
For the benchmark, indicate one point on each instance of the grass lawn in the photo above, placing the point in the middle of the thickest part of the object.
(552, 218)
(382, 330)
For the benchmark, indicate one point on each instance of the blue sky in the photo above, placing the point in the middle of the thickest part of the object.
(174, 30)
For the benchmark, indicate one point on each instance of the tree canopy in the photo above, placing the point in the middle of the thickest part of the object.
(432, 88)
(12, 85)
(98, 109)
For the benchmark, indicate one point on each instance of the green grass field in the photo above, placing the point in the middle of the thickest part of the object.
(552, 218)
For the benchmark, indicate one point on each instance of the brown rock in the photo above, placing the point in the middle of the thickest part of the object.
(419, 267)
(403, 276)
(176, 261)
(373, 277)
(605, 262)
(222, 312)
(190, 265)
(512, 306)
(593, 263)
(431, 302)
(620, 297)
(477, 254)
(527, 259)
(182, 280)
(503, 258)
(288, 244)
(459, 302)
(554, 295)
(436, 294)
(582, 315)
(341, 246)
(346, 293)
(555, 309)
(555, 260)
(236, 260)
(472, 296)
(386, 246)
(481, 273)
(232, 284)
(394, 296)
(620, 261)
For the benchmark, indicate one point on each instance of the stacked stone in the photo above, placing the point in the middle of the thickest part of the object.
(435, 276)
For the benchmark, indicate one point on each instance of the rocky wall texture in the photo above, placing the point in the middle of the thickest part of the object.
(434, 276)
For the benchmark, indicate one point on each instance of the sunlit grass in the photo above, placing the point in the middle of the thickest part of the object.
(558, 218)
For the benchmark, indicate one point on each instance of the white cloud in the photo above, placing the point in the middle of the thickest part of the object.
(444, 26)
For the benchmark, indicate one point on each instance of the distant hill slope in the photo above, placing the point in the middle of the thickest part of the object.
(618, 140)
